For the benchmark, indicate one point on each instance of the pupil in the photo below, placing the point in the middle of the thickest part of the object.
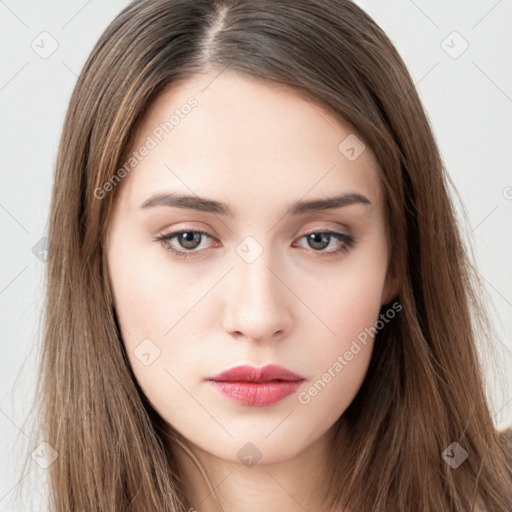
(191, 238)
(319, 238)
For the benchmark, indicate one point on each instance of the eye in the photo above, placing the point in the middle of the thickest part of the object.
(319, 240)
(190, 241)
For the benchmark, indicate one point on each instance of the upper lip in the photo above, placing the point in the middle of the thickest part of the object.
(254, 374)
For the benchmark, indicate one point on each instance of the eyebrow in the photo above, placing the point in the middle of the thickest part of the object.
(193, 202)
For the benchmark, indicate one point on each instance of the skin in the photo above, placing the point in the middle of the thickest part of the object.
(259, 148)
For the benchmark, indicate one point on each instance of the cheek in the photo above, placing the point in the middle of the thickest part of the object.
(350, 298)
(149, 298)
(157, 310)
(349, 305)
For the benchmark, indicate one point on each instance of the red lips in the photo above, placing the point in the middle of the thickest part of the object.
(254, 374)
(259, 387)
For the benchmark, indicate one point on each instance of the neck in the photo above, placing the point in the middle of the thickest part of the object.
(293, 485)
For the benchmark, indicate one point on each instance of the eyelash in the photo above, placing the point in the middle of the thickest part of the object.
(348, 242)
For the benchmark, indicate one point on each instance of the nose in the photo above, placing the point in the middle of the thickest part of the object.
(258, 302)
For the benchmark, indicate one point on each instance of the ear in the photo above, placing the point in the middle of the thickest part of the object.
(391, 285)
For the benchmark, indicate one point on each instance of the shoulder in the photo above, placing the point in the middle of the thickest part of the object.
(479, 506)
(505, 436)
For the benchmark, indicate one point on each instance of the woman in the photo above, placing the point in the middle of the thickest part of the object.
(255, 184)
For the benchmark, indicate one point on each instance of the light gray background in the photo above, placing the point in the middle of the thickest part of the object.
(467, 95)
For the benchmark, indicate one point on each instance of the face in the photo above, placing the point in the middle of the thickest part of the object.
(261, 279)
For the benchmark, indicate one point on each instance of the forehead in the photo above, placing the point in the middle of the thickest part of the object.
(252, 141)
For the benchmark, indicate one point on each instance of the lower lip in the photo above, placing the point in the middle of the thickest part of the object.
(257, 394)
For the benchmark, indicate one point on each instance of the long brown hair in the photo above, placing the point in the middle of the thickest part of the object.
(424, 388)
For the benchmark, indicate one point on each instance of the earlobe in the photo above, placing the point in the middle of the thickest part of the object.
(391, 286)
